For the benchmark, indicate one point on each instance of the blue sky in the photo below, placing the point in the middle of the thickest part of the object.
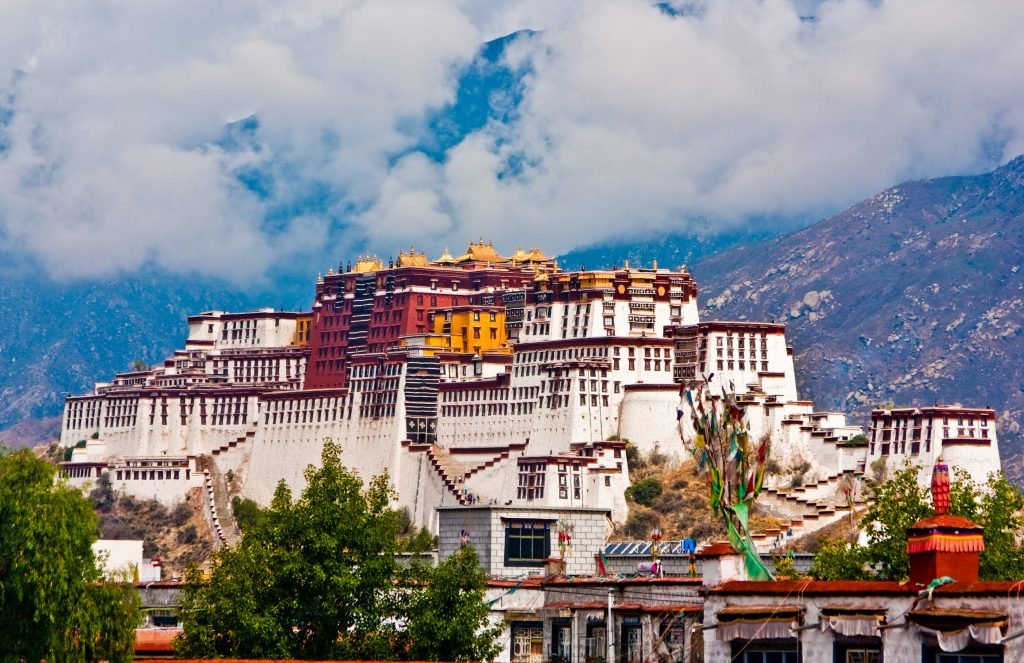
(231, 138)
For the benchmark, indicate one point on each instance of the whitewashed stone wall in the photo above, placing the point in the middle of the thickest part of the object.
(486, 527)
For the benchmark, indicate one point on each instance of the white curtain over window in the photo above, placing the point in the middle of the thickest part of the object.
(755, 630)
(853, 625)
(954, 641)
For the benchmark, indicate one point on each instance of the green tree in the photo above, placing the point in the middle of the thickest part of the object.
(53, 604)
(448, 620)
(900, 502)
(894, 506)
(840, 560)
(246, 512)
(644, 491)
(313, 578)
(996, 507)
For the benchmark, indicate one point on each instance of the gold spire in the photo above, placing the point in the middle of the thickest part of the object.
(446, 258)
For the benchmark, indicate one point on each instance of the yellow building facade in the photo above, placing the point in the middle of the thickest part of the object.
(471, 329)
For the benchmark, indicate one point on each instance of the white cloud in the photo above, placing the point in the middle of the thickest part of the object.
(633, 121)
(112, 160)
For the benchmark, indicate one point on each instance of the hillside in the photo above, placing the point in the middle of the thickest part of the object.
(671, 250)
(914, 296)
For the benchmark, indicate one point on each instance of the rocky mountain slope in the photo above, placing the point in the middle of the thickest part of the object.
(912, 297)
(671, 250)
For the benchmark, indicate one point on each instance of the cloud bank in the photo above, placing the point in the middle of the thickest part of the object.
(226, 139)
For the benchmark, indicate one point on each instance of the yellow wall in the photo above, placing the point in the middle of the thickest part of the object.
(432, 343)
(476, 331)
(302, 327)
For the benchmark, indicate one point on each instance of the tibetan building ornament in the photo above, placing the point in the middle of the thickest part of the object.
(940, 487)
(565, 533)
(733, 465)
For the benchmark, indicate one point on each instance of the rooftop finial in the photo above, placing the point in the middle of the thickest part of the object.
(940, 487)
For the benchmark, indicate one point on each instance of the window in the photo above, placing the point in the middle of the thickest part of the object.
(561, 639)
(765, 651)
(864, 651)
(974, 654)
(527, 642)
(527, 543)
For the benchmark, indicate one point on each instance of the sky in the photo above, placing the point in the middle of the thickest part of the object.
(228, 139)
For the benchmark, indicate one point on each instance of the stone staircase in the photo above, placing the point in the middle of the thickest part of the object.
(810, 508)
(248, 436)
(451, 471)
(503, 454)
(216, 505)
(454, 472)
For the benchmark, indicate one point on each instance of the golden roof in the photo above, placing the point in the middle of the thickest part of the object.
(481, 252)
(446, 258)
(534, 255)
(412, 259)
(368, 264)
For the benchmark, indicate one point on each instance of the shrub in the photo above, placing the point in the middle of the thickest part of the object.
(247, 513)
(785, 568)
(188, 535)
(180, 514)
(656, 458)
(671, 502)
(707, 529)
(633, 458)
(644, 491)
(640, 524)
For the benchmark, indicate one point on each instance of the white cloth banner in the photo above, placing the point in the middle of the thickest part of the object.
(954, 641)
(861, 625)
(754, 630)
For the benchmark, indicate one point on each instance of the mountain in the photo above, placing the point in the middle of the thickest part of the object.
(672, 250)
(912, 297)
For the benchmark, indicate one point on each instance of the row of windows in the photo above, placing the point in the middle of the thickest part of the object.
(152, 475)
(370, 370)
(487, 409)
(740, 365)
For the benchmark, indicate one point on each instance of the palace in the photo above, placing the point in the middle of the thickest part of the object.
(476, 379)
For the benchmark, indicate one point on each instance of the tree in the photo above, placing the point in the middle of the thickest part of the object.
(840, 560)
(996, 507)
(901, 501)
(53, 604)
(448, 620)
(895, 505)
(313, 578)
